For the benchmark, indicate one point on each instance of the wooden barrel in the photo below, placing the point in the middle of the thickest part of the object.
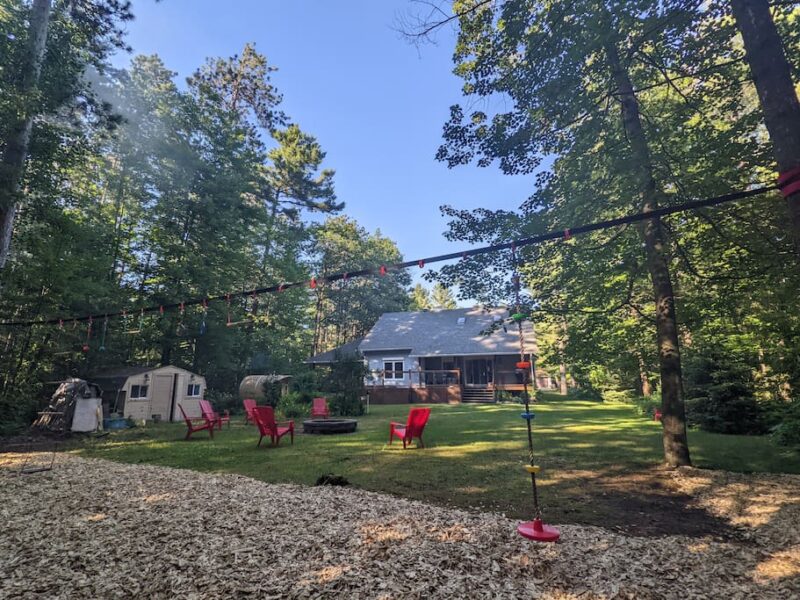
(252, 386)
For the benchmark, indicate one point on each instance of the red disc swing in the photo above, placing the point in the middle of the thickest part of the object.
(533, 530)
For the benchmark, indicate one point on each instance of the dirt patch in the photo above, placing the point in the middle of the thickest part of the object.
(642, 503)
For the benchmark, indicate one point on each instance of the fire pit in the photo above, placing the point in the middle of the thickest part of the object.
(328, 426)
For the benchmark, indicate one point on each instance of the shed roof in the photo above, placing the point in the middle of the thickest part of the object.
(118, 376)
(326, 358)
(455, 332)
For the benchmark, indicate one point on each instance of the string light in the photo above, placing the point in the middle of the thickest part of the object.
(529, 241)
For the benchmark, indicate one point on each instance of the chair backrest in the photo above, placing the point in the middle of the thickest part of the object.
(265, 419)
(249, 405)
(206, 408)
(417, 418)
(320, 405)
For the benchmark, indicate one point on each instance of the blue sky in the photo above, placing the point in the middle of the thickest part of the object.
(375, 103)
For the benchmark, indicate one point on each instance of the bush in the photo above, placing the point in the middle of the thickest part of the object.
(346, 405)
(504, 396)
(645, 405)
(584, 393)
(223, 401)
(292, 406)
(272, 393)
(306, 385)
(787, 432)
(346, 381)
(619, 396)
(721, 394)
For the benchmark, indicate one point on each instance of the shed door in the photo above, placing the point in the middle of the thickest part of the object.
(161, 398)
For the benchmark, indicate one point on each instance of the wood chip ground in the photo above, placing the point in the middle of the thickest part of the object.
(98, 529)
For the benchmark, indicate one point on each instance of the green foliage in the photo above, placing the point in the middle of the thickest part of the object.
(346, 405)
(420, 298)
(787, 431)
(292, 406)
(223, 401)
(272, 393)
(442, 297)
(345, 381)
(720, 393)
(346, 310)
(306, 385)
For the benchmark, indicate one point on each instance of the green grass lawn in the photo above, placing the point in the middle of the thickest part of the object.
(473, 458)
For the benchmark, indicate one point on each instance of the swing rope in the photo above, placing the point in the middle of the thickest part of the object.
(535, 529)
(537, 512)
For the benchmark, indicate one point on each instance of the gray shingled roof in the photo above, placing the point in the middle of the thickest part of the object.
(438, 333)
(326, 358)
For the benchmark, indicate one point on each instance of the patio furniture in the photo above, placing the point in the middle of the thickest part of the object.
(319, 408)
(417, 418)
(193, 425)
(209, 413)
(249, 405)
(268, 426)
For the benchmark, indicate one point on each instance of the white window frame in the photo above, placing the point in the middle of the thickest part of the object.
(146, 387)
(190, 390)
(393, 370)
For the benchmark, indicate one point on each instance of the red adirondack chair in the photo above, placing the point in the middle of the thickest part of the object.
(319, 408)
(193, 424)
(267, 426)
(212, 415)
(249, 405)
(417, 418)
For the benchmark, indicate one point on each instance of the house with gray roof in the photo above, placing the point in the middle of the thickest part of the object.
(463, 354)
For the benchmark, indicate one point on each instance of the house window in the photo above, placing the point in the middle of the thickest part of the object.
(393, 369)
(193, 391)
(139, 392)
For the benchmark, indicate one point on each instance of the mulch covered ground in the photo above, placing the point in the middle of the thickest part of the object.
(97, 529)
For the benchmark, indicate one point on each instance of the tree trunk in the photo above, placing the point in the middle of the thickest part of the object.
(562, 367)
(644, 380)
(773, 81)
(16, 150)
(676, 447)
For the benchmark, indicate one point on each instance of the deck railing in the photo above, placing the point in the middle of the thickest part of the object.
(415, 378)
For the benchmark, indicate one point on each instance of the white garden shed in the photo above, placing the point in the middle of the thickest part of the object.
(151, 393)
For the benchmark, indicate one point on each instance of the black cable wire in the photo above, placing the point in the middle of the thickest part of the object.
(383, 269)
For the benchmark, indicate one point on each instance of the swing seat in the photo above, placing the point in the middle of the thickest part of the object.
(537, 531)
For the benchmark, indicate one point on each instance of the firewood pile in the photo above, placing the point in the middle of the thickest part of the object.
(98, 529)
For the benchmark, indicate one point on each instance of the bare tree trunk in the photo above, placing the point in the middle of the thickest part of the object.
(16, 150)
(773, 80)
(644, 380)
(676, 447)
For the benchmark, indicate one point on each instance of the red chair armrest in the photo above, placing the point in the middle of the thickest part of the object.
(396, 424)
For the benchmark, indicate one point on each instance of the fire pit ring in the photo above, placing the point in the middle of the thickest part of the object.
(329, 426)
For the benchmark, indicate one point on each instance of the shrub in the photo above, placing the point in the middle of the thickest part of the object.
(619, 396)
(720, 394)
(223, 401)
(272, 393)
(787, 432)
(504, 396)
(292, 406)
(645, 405)
(306, 384)
(346, 381)
(346, 405)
